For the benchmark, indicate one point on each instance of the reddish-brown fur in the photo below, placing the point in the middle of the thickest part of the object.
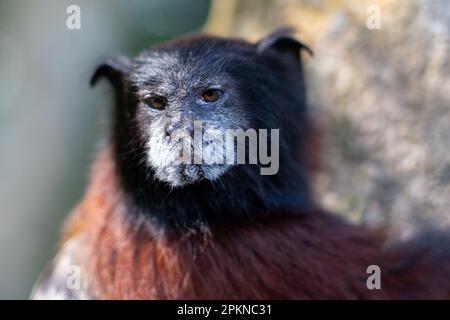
(314, 256)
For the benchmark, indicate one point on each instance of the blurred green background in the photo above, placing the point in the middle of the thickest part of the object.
(51, 121)
(380, 96)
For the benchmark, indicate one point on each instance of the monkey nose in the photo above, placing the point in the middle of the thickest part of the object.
(172, 128)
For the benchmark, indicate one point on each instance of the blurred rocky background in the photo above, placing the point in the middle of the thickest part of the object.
(381, 96)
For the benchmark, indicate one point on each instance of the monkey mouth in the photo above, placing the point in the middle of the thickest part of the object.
(182, 174)
(179, 162)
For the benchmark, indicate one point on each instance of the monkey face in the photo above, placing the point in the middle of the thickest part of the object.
(183, 109)
(179, 103)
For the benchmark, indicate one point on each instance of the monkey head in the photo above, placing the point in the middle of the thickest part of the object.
(177, 102)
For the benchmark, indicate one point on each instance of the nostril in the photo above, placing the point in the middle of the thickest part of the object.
(168, 131)
(168, 137)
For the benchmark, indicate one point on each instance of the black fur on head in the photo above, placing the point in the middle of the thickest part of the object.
(162, 92)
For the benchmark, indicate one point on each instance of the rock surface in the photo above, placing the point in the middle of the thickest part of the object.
(381, 95)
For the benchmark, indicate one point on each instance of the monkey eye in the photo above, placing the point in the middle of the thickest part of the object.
(211, 95)
(155, 102)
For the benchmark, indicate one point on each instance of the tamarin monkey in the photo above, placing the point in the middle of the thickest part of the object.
(152, 227)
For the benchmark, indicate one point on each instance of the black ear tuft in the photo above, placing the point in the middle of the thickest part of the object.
(283, 42)
(113, 69)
